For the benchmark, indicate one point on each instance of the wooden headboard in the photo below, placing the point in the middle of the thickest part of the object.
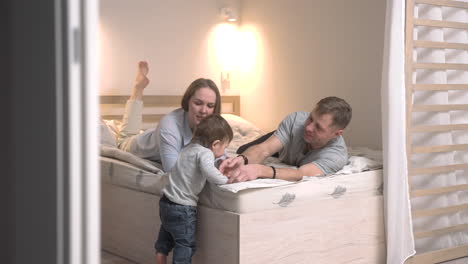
(156, 106)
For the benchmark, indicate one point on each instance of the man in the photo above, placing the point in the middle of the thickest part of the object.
(310, 141)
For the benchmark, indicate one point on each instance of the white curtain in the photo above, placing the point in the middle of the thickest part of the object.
(400, 242)
(427, 55)
(399, 225)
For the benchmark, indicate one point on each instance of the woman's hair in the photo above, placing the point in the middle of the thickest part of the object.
(198, 84)
(210, 129)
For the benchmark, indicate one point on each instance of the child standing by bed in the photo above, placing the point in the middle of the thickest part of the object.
(178, 205)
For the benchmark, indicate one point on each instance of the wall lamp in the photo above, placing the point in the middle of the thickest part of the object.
(228, 14)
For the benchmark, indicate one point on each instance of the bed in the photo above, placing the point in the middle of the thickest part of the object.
(327, 219)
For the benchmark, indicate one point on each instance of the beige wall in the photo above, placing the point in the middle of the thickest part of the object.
(312, 49)
(174, 36)
(302, 50)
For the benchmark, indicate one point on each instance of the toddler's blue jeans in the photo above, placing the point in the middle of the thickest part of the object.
(178, 231)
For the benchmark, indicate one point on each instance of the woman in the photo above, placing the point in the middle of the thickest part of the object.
(164, 142)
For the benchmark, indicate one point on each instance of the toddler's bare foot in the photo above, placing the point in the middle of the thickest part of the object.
(160, 258)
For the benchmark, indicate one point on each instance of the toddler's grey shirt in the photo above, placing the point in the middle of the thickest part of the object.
(330, 159)
(195, 166)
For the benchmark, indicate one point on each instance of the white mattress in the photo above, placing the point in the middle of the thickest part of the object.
(363, 184)
(310, 189)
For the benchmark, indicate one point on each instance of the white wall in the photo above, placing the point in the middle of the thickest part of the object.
(174, 36)
(298, 52)
(311, 49)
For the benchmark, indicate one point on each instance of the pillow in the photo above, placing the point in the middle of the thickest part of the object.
(240, 125)
(108, 137)
(243, 131)
(113, 126)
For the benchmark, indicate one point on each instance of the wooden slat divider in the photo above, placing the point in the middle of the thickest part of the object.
(438, 169)
(443, 148)
(439, 23)
(441, 66)
(439, 211)
(410, 67)
(437, 191)
(441, 231)
(439, 87)
(447, 3)
(439, 128)
(440, 108)
(438, 256)
(440, 45)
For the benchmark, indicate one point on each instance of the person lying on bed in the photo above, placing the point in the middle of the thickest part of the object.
(178, 205)
(311, 141)
(164, 142)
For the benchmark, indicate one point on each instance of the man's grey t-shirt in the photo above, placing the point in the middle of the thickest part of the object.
(330, 159)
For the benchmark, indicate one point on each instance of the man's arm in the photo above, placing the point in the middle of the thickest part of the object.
(258, 153)
(254, 171)
(255, 154)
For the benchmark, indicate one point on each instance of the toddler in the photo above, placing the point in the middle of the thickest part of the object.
(178, 205)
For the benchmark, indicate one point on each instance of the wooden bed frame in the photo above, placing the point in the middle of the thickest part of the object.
(156, 106)
(326, 231)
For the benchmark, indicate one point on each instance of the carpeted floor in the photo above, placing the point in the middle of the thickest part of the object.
(108, 258)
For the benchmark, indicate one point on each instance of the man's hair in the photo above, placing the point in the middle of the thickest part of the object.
(195, 86)
(339, 109)
(210, 129)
